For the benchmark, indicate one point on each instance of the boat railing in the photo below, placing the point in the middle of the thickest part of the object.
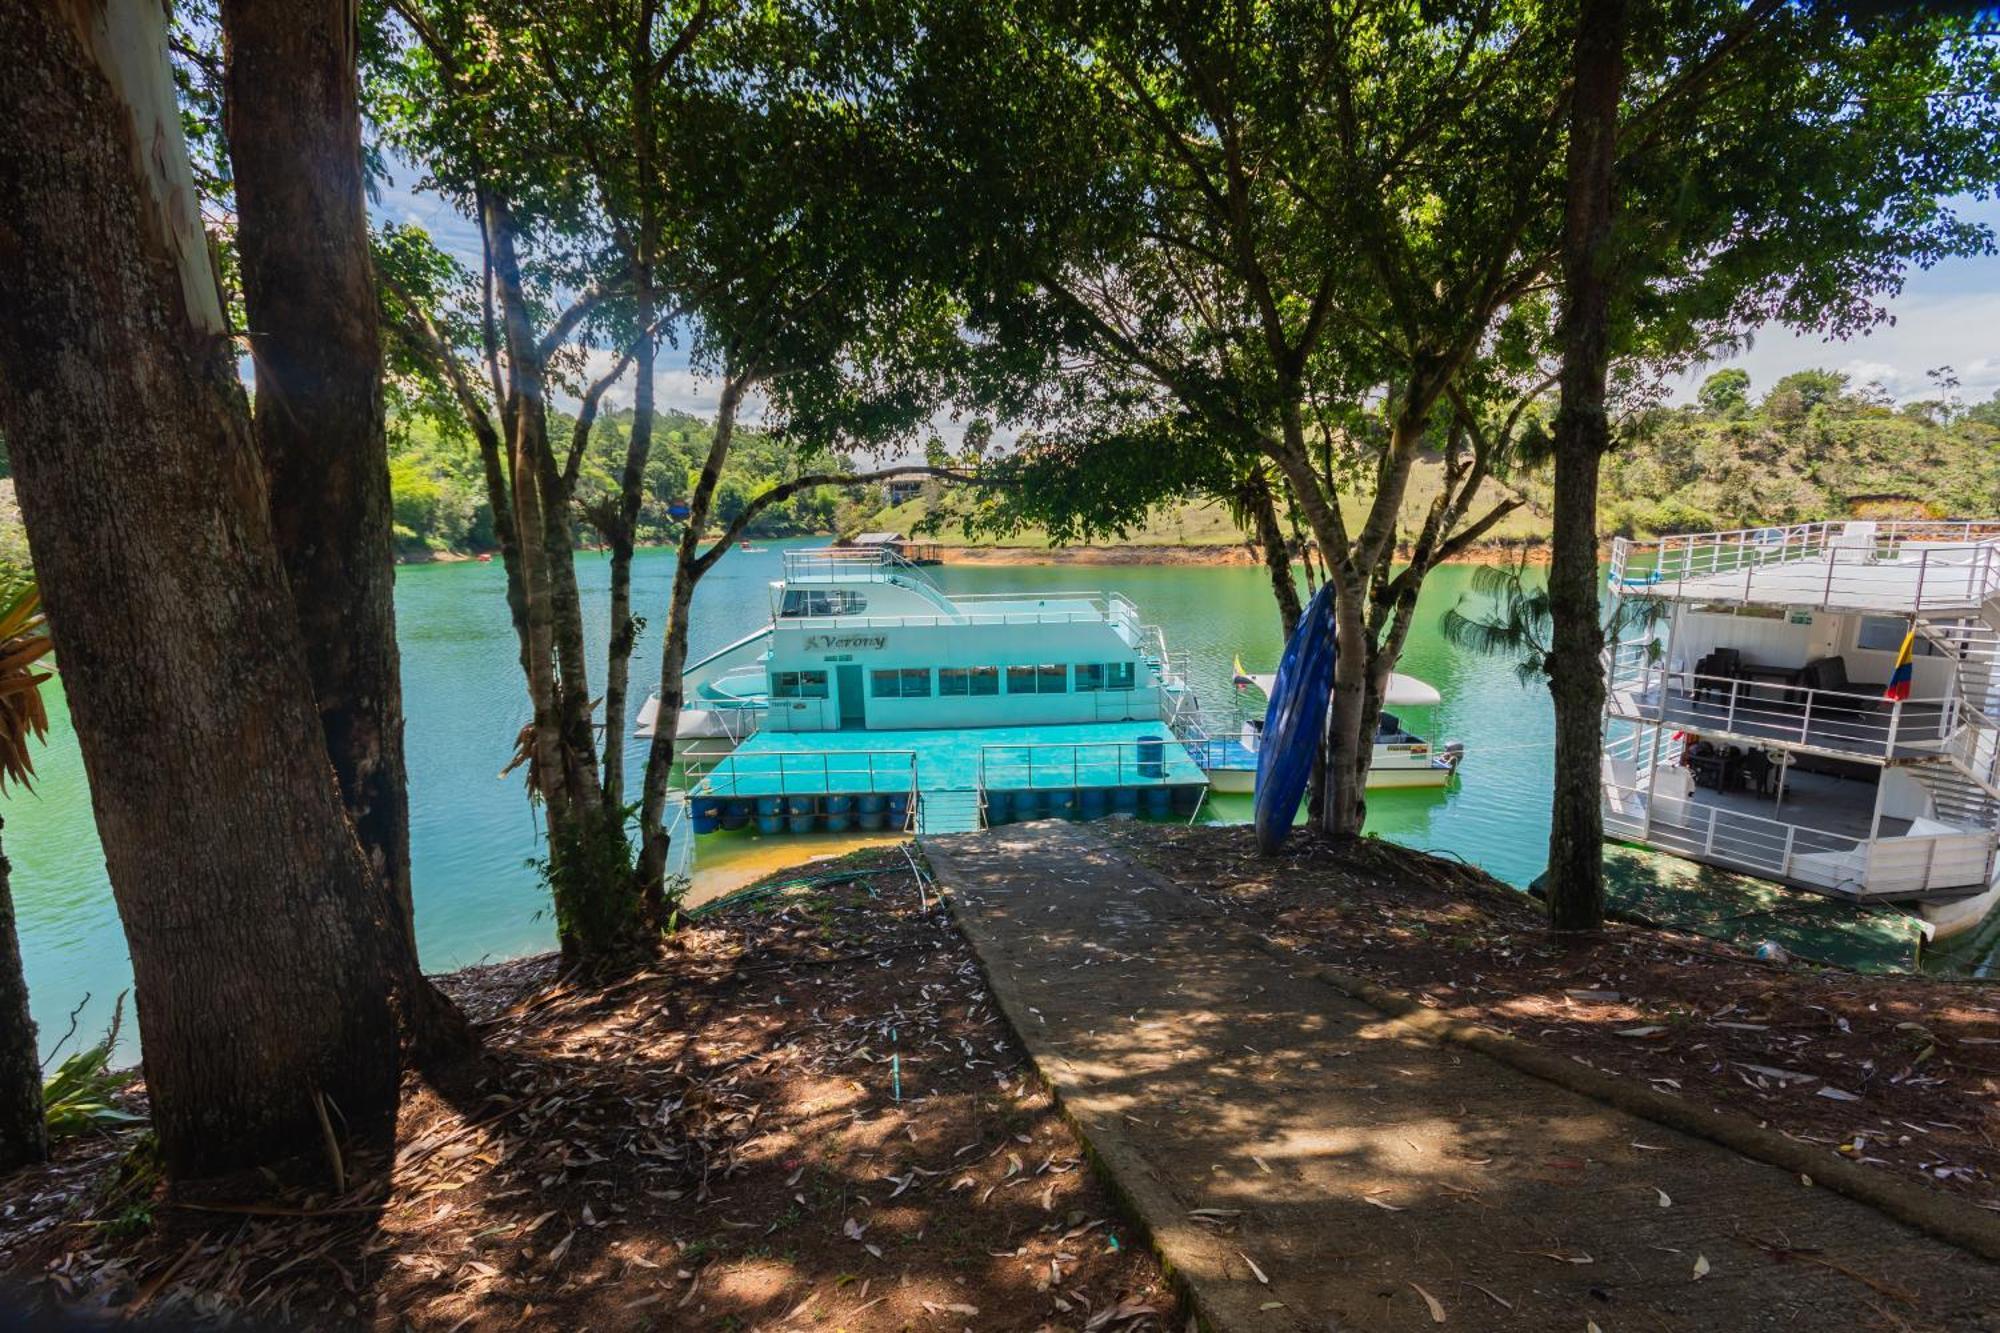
(1884, 867)
(1833, 564)
(1098, 609)
(811, 773)
(835, 563)
(1836, 721)
(1075, 764)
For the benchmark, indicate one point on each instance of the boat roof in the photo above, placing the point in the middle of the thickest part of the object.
(1855, 566)
(1403, 692)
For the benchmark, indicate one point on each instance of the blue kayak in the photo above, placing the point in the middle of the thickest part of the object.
(1294, 721)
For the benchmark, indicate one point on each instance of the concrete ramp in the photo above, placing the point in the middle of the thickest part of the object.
(1305, 1162)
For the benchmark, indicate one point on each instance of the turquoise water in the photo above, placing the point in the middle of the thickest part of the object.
(472, 835)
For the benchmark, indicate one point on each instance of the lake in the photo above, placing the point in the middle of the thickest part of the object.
(472, 835)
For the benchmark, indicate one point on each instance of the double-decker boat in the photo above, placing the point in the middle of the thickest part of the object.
(874, 699)
(1815, 705)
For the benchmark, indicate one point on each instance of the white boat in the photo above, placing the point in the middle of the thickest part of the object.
(1751, 726)
(875, 699)
(1401, 758)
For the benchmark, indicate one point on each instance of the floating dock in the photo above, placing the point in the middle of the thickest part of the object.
(934, 781)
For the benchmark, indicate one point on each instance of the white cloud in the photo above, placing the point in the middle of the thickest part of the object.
(1929, 331)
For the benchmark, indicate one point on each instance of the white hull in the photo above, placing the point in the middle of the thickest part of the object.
(1951, 919)
(1383, 774)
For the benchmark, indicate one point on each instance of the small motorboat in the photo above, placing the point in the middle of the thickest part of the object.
(1402, 758)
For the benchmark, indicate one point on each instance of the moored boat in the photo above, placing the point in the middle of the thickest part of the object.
(876, 700)
(1228, 751)
(1815, 706)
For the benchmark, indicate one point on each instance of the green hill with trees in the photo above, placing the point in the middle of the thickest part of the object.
(440, 493)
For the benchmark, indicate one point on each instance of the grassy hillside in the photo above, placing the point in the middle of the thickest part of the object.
(1813, 447)
(1200, 522)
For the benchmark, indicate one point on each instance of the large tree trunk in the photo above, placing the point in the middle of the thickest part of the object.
(589, 866)
(253, 916)
(302, 231)
(23, 1130)
(1582, 433)
(673, 652)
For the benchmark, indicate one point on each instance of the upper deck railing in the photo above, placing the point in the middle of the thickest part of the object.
(1085, 608)
(1906, 565)
(1762, 706)
(859, 564)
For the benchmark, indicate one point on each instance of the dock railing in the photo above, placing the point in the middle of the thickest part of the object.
(1832, 564)
(811, 773)
(1072, 764)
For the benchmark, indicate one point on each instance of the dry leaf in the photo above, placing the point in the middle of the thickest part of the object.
(1666, 1201)
(1389, 1207)
(1255, 1271)
(1437, 1310)
(1700, 1267)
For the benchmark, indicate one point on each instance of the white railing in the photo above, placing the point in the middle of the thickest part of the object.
(1099, 611)
(1837, 721)
(1885, 867)
(867, 563)
(1830, 564)
(812, 773)
(1071, 764)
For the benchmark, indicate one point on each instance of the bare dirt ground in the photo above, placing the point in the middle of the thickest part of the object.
(1899, 1073)
(805, 1115)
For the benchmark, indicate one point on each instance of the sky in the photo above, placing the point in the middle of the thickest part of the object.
(1949, 315)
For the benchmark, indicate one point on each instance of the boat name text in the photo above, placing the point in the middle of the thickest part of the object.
(826, 643)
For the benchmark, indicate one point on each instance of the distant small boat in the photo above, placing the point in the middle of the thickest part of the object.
(485, 557)
(753, 550)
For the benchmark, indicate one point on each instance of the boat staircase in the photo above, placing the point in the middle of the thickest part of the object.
(949, 810)
(1963, 778)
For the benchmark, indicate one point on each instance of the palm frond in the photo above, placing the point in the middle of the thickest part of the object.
(24, 640)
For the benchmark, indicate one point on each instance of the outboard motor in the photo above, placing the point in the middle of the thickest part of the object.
(1452, 752)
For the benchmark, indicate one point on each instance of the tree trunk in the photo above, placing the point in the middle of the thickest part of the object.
(1582, 433)
(23, 1129)
(302, 231)
(1349, 723)
(252, 914)
(1277, 554)
(673, 652)
(631, 491)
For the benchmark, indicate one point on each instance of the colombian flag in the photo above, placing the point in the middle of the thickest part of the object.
(1899, 679)
(1242, 677)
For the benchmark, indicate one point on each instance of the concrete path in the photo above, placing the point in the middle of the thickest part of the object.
(1354, 1173)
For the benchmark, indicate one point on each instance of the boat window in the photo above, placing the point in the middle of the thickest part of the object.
(819, 602)
(1884, 634)
(1048, 678)
(1094, 676)
(903, 683)
(968, 680)
(798, 685)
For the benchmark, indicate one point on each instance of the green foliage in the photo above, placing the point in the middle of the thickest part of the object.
(77, 1097)
(1811, 449)
(1507, 613)
(588, 870)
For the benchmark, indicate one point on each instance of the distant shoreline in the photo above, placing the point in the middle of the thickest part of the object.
(1236, 553)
